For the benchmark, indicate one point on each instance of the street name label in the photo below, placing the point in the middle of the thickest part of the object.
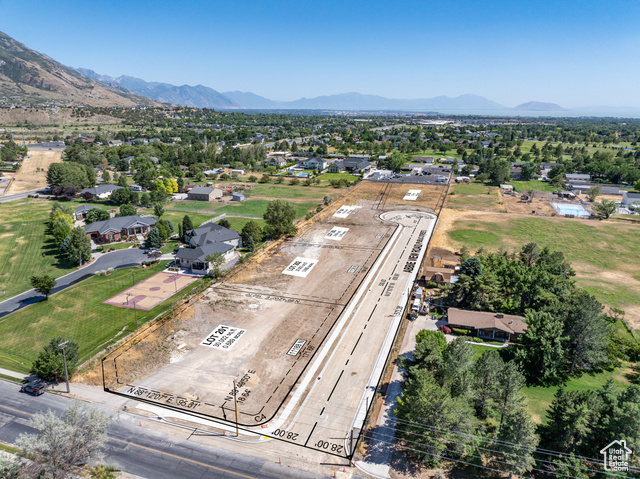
(345, 211)
(223, 337)
(412, 195)
(336, 233)
(297, 346)
(300, 267)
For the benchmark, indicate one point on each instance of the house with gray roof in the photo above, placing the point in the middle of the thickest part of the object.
(209, 238)
(80, 212)
(100, 191)
(203, 193)
(119, 228)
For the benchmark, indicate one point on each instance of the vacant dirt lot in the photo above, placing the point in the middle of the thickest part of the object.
(33, 172)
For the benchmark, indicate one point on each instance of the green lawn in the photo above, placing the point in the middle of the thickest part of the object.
(532, 185)
(539, 398)
(290, 192)
(77, 313)
(22, 243)
(257, 208)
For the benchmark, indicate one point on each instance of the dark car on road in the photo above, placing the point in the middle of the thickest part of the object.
(35, 388)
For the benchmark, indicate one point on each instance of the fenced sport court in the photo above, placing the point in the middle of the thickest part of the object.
(152, 291)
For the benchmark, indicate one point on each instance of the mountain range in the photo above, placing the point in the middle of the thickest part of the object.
(30, 76)
(27, 76)
(200, 96)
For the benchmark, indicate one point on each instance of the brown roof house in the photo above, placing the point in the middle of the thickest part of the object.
(498, 326)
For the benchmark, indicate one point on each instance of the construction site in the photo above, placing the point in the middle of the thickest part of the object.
(291, 346)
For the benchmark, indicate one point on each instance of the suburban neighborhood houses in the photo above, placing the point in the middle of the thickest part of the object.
(471, 274)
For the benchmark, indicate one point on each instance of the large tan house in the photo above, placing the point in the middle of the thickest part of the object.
(486, 325)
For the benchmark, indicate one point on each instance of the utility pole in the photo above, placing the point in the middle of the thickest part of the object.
(64, 361)
(235, 403)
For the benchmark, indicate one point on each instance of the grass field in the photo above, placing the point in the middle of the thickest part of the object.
(603, 253)
(292, 192)
(473, 195)
(76, 313)
(22, 243)
(539, 398)
(257, 208)
(532, 185)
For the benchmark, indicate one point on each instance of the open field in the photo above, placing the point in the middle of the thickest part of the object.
(474, 196)
(539, 398)
(293, 326)
(524, 186)
(77, 313)
(22, 243)
(602, 252)
(33, 172)
(289, 192)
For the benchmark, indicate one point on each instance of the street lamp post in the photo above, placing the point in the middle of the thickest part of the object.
(64, 361)
(135, 312)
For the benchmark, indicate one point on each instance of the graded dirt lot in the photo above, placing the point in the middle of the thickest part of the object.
(33, 172)
(300, 329)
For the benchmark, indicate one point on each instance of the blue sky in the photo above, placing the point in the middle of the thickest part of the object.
(574, 53)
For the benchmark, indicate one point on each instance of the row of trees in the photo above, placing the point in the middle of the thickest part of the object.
(71, 242)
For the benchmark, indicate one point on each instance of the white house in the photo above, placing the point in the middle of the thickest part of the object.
(629, 198)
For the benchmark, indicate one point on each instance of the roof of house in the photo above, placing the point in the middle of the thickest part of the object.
(211, 233)
(483, 320)
(84, 208)
(630, 194)
(356, 163)
(119, 223)
(201, 190)
(101, 189)
(201, 252)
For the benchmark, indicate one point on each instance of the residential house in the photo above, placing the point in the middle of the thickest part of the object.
(100, 191)
(315, 163)
(204, 193)
(629, 198)
(208, 239)
(113, 143)
(336, 167)
(357, 164)
(515, 173)
(119, 228)
(496, 326)
(571, 177)
(80, 212)
(423, 159)
(277, 161)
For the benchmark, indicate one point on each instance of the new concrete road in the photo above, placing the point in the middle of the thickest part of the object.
(138, 450)
(117, 259)
(340, 387)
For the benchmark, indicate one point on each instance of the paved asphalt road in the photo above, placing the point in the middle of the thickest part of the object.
(18, 196)
(138, 450)
(117, 259)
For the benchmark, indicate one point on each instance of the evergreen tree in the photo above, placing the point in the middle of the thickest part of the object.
(518, 429)
(79, 247)
(507, 392)
(154, 240)
(485, 374)
(455, 371)
(187, 224)
(542, 354)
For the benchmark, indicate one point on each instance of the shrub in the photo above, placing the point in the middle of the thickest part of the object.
(461, 332)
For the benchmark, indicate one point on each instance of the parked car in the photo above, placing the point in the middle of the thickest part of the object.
(154, 251)
(35, 388)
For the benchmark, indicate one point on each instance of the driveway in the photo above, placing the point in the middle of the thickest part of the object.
(117, 259)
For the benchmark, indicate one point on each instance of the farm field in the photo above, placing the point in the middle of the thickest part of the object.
(602, 252)
(33, 172)
(77, 313)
